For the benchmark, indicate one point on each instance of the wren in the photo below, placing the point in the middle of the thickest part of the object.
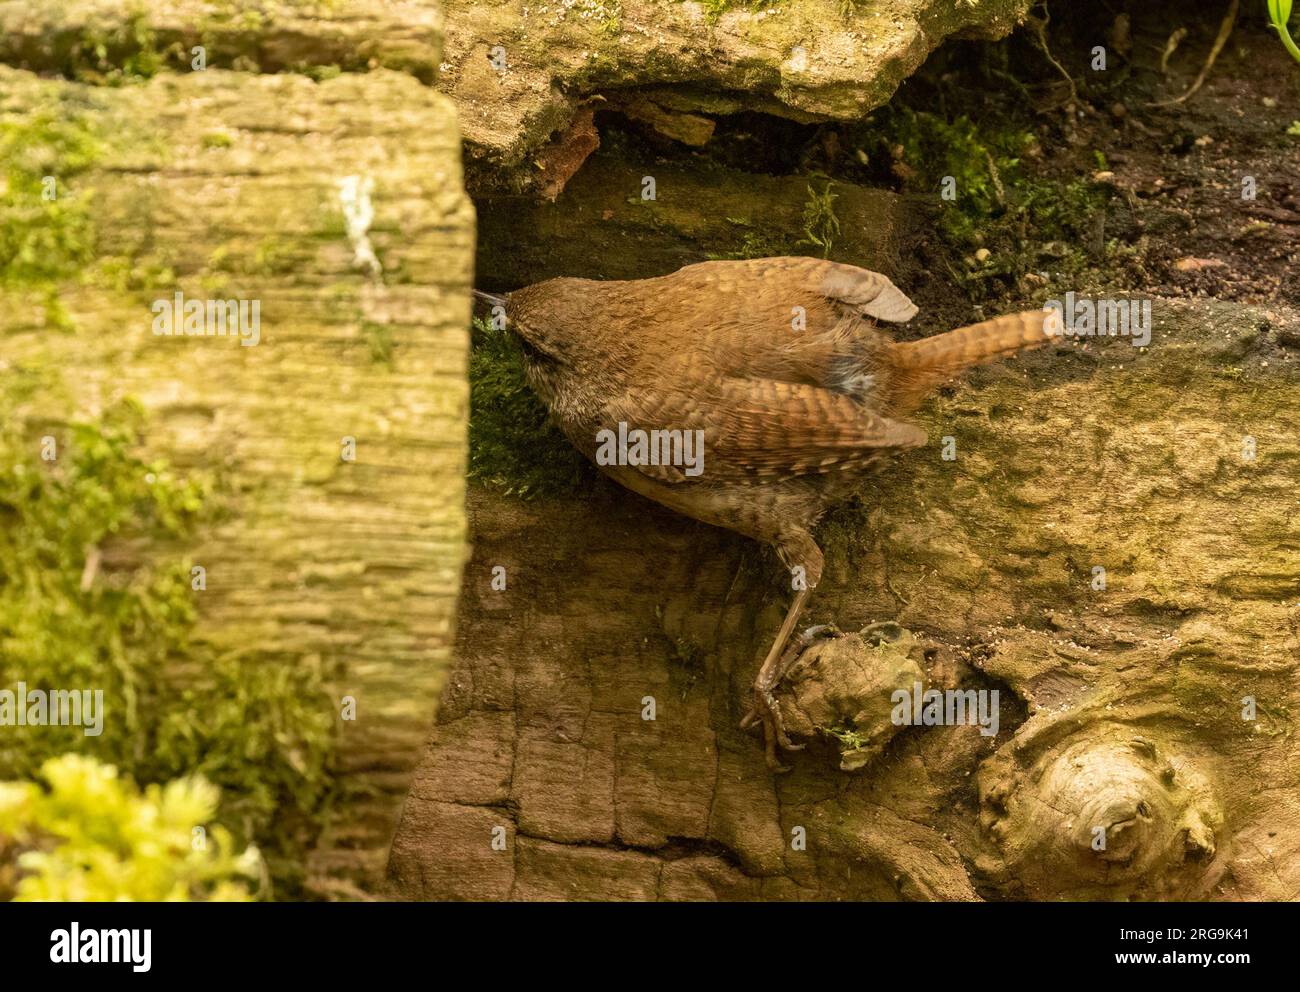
(780, 370)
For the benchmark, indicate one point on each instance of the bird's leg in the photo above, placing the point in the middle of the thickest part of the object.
(765, 708)
(778, 661)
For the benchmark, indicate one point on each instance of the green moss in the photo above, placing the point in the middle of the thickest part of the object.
(127, 52)
(754, 243)
(146, 275)
(126, 49)
(272, 257)
(57, 317)
(46, 229)
(319, 73)
(928, 149)
(261, 729)
(997, 202)
(606, 15)
(268, 257)
(840, 531)
(513, 446)
(714, 9)
(217, 139)
(237, 16)
(379, 338)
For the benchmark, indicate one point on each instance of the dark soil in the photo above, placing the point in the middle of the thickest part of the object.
(1175, 222)
(1165, 212)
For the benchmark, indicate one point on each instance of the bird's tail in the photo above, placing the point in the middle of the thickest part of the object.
(922, 366)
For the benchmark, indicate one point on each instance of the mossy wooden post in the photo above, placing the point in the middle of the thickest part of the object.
(339, 438)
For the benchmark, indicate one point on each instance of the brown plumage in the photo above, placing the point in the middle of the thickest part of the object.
(779, 361)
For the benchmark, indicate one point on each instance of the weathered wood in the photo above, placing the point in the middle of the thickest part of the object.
(601, 228)
(1086, 454)
(256, 35)
(517, 69)
(220, 184)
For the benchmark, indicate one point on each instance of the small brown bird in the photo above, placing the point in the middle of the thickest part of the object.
(779, 363)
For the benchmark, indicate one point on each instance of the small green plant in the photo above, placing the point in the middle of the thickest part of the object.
(713, 9)
(849, 738)
(820, 225)
(754, 243)
(85, 834)
(1279, 14)
(929, 150)
(318, 73)
(607, 15)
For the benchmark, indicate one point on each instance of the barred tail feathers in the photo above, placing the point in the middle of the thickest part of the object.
(922, 366)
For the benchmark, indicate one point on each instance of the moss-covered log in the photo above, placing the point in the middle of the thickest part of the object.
(335, 443)
(1144, 747)
(602, 227)
(107, 39)
(519, 70)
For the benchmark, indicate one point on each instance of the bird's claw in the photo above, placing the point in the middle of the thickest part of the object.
(766, 711)
(764, 708)
(817, 632)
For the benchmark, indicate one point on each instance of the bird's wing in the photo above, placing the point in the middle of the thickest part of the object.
(762, 428)
(867, 292)
(870, 294)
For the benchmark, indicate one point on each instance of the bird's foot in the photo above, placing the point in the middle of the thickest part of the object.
(766, 710)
